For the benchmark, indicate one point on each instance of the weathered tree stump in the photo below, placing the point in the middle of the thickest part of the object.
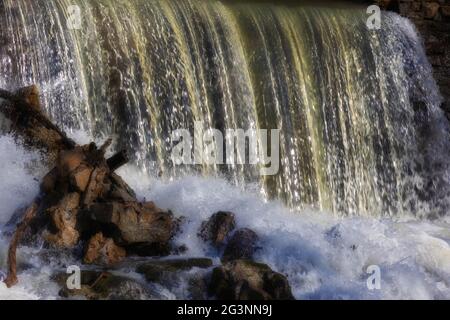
(82, 199)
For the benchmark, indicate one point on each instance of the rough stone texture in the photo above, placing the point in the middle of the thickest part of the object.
(103, 251)
(432, 19)
(217, 228)
(248, 280)
(242, 245)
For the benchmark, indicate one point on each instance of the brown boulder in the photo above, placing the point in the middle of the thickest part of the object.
(248, 280)
(136, 223)
(103, 251)
(217, 228)
(242, 245)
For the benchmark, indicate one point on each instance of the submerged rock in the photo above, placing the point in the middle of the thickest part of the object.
(242, 245)
(97, 285)
(248, 280)
(162, 270)
(217, 228)
(187, 275)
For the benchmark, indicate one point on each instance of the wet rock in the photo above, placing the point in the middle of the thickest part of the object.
(103, 251)
(242, 245)
(136, 223)
(64, 222)
(248, 280)
(97, 285)
(197, 287)
(179, 250)
(165, 271)
(156, 249)
(217, 228)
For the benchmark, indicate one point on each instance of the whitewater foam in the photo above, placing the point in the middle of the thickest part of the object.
(323, 255)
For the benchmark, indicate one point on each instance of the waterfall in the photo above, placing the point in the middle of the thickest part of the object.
(358, 109)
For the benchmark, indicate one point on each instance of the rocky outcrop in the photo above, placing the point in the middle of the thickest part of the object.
(248, 280)
(242, 245)
(239, 278)
(216, 230)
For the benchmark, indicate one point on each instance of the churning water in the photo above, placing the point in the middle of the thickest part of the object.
(362, 134)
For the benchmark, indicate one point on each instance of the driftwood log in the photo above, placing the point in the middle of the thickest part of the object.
(82, 200)
(29, 122)
(11, 279)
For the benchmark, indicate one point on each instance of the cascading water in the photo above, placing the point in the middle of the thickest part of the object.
(358, 113)
(352, 104)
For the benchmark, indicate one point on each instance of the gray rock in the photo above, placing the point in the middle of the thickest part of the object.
(242, 245)
(217, 228)
(248, 280)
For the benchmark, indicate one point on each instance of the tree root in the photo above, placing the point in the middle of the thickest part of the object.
(11, 279)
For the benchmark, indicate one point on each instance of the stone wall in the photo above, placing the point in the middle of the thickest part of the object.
(432, 19)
